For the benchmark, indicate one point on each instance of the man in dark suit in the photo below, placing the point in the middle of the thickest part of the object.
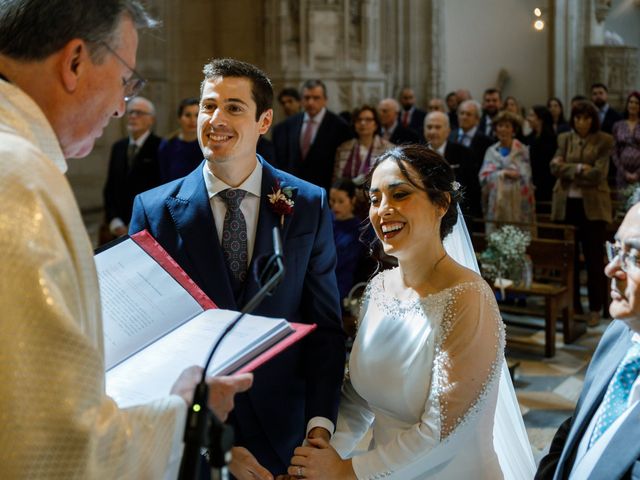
(410, 116)
(602, 438)
(608, 116)
(491, 105)
(217, 224)
(306, 143)
(468, 133)
(133, 166)
(461, 159)
(390, 128)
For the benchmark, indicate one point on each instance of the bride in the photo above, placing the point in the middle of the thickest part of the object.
(427, 372)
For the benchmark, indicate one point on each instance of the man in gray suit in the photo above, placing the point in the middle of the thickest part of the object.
(602, 438)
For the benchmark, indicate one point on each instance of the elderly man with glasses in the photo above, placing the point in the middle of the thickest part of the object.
(133, 165)
(602, 438)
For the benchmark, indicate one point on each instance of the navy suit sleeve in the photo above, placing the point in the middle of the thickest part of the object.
(139, 219)
(324, 356)
(549, 463)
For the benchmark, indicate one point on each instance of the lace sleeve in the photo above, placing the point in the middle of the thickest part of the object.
(469, 357)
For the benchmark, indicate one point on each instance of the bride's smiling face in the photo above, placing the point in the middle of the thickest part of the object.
(404, 218)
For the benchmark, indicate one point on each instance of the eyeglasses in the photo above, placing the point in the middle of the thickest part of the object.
(135, 83)
(365, 120)
(627, 261)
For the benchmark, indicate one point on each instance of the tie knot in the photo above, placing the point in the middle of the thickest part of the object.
(233, 197)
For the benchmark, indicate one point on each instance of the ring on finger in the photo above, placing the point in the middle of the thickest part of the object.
(300, 472)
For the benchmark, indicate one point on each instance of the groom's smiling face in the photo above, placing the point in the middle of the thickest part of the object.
(227, 125)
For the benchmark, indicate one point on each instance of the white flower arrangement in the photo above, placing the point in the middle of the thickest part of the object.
(505, 256)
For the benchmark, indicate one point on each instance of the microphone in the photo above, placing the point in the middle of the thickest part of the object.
(203, 428)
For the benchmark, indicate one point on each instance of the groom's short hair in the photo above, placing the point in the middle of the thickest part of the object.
(261, 88)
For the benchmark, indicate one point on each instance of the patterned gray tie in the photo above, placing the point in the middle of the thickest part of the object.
(234, 234)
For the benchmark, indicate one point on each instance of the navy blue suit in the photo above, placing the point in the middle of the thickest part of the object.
(621, 457)
(304, 381)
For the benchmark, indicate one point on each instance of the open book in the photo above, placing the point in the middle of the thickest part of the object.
(157, 322)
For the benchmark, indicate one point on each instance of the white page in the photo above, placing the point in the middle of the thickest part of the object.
(150, 373)
(140, 300)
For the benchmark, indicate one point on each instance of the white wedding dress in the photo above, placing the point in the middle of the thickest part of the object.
(427, 376)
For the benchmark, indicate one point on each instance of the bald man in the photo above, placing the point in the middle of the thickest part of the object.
(133, 166)
(461, 159)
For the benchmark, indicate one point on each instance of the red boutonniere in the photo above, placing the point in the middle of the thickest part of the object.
(281, 201)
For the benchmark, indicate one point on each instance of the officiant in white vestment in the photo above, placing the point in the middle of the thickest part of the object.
(65, 69)
(426, 373)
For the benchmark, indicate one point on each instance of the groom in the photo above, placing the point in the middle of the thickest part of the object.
(602, 439)
(217, 224)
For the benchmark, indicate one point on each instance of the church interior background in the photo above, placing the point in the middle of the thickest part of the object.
(366, 50)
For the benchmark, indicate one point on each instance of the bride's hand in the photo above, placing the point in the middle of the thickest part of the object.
(320, 461)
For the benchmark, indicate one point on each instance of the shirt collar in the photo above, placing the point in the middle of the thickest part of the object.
(318, 118)
(141, 139)
(252, 184)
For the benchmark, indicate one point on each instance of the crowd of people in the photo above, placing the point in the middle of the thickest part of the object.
(426, 375)
(509, 163)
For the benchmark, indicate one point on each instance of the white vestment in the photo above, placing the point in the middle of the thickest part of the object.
(55, 419)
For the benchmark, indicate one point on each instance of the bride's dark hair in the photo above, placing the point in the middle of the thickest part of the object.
(436, 175)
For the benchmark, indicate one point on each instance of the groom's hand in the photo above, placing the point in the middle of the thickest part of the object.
(244, 466)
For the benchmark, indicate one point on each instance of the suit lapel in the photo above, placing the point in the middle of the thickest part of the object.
(594, 392)
(267, 219)
(191, 213)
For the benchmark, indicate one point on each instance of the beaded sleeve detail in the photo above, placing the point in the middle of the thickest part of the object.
(442, 309)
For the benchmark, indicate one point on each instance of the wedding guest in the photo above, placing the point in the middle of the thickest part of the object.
(180, 153)
(355, 157)
(542, 148)
(133, 165)
(411, 116)
(600, 440)
(424, 371)
(491, 105)
(346, 234)
(581, 197)
(468, 133)
(626, 153)
(606, 114)
(505, 176)
(452, 109)
(511, 105)
(390, 128)
(290, 101)
(66, 68)
(436, 105)
(560, 124)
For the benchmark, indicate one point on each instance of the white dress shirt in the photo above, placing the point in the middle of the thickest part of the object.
(587, 458)
(250, 206)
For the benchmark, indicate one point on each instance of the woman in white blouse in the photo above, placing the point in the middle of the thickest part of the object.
(425, 370)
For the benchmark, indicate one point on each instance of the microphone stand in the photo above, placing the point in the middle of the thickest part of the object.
(203, 430)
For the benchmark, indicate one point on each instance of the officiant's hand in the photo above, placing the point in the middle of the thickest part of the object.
(320, 461)
(244, 466)
(221, 389)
